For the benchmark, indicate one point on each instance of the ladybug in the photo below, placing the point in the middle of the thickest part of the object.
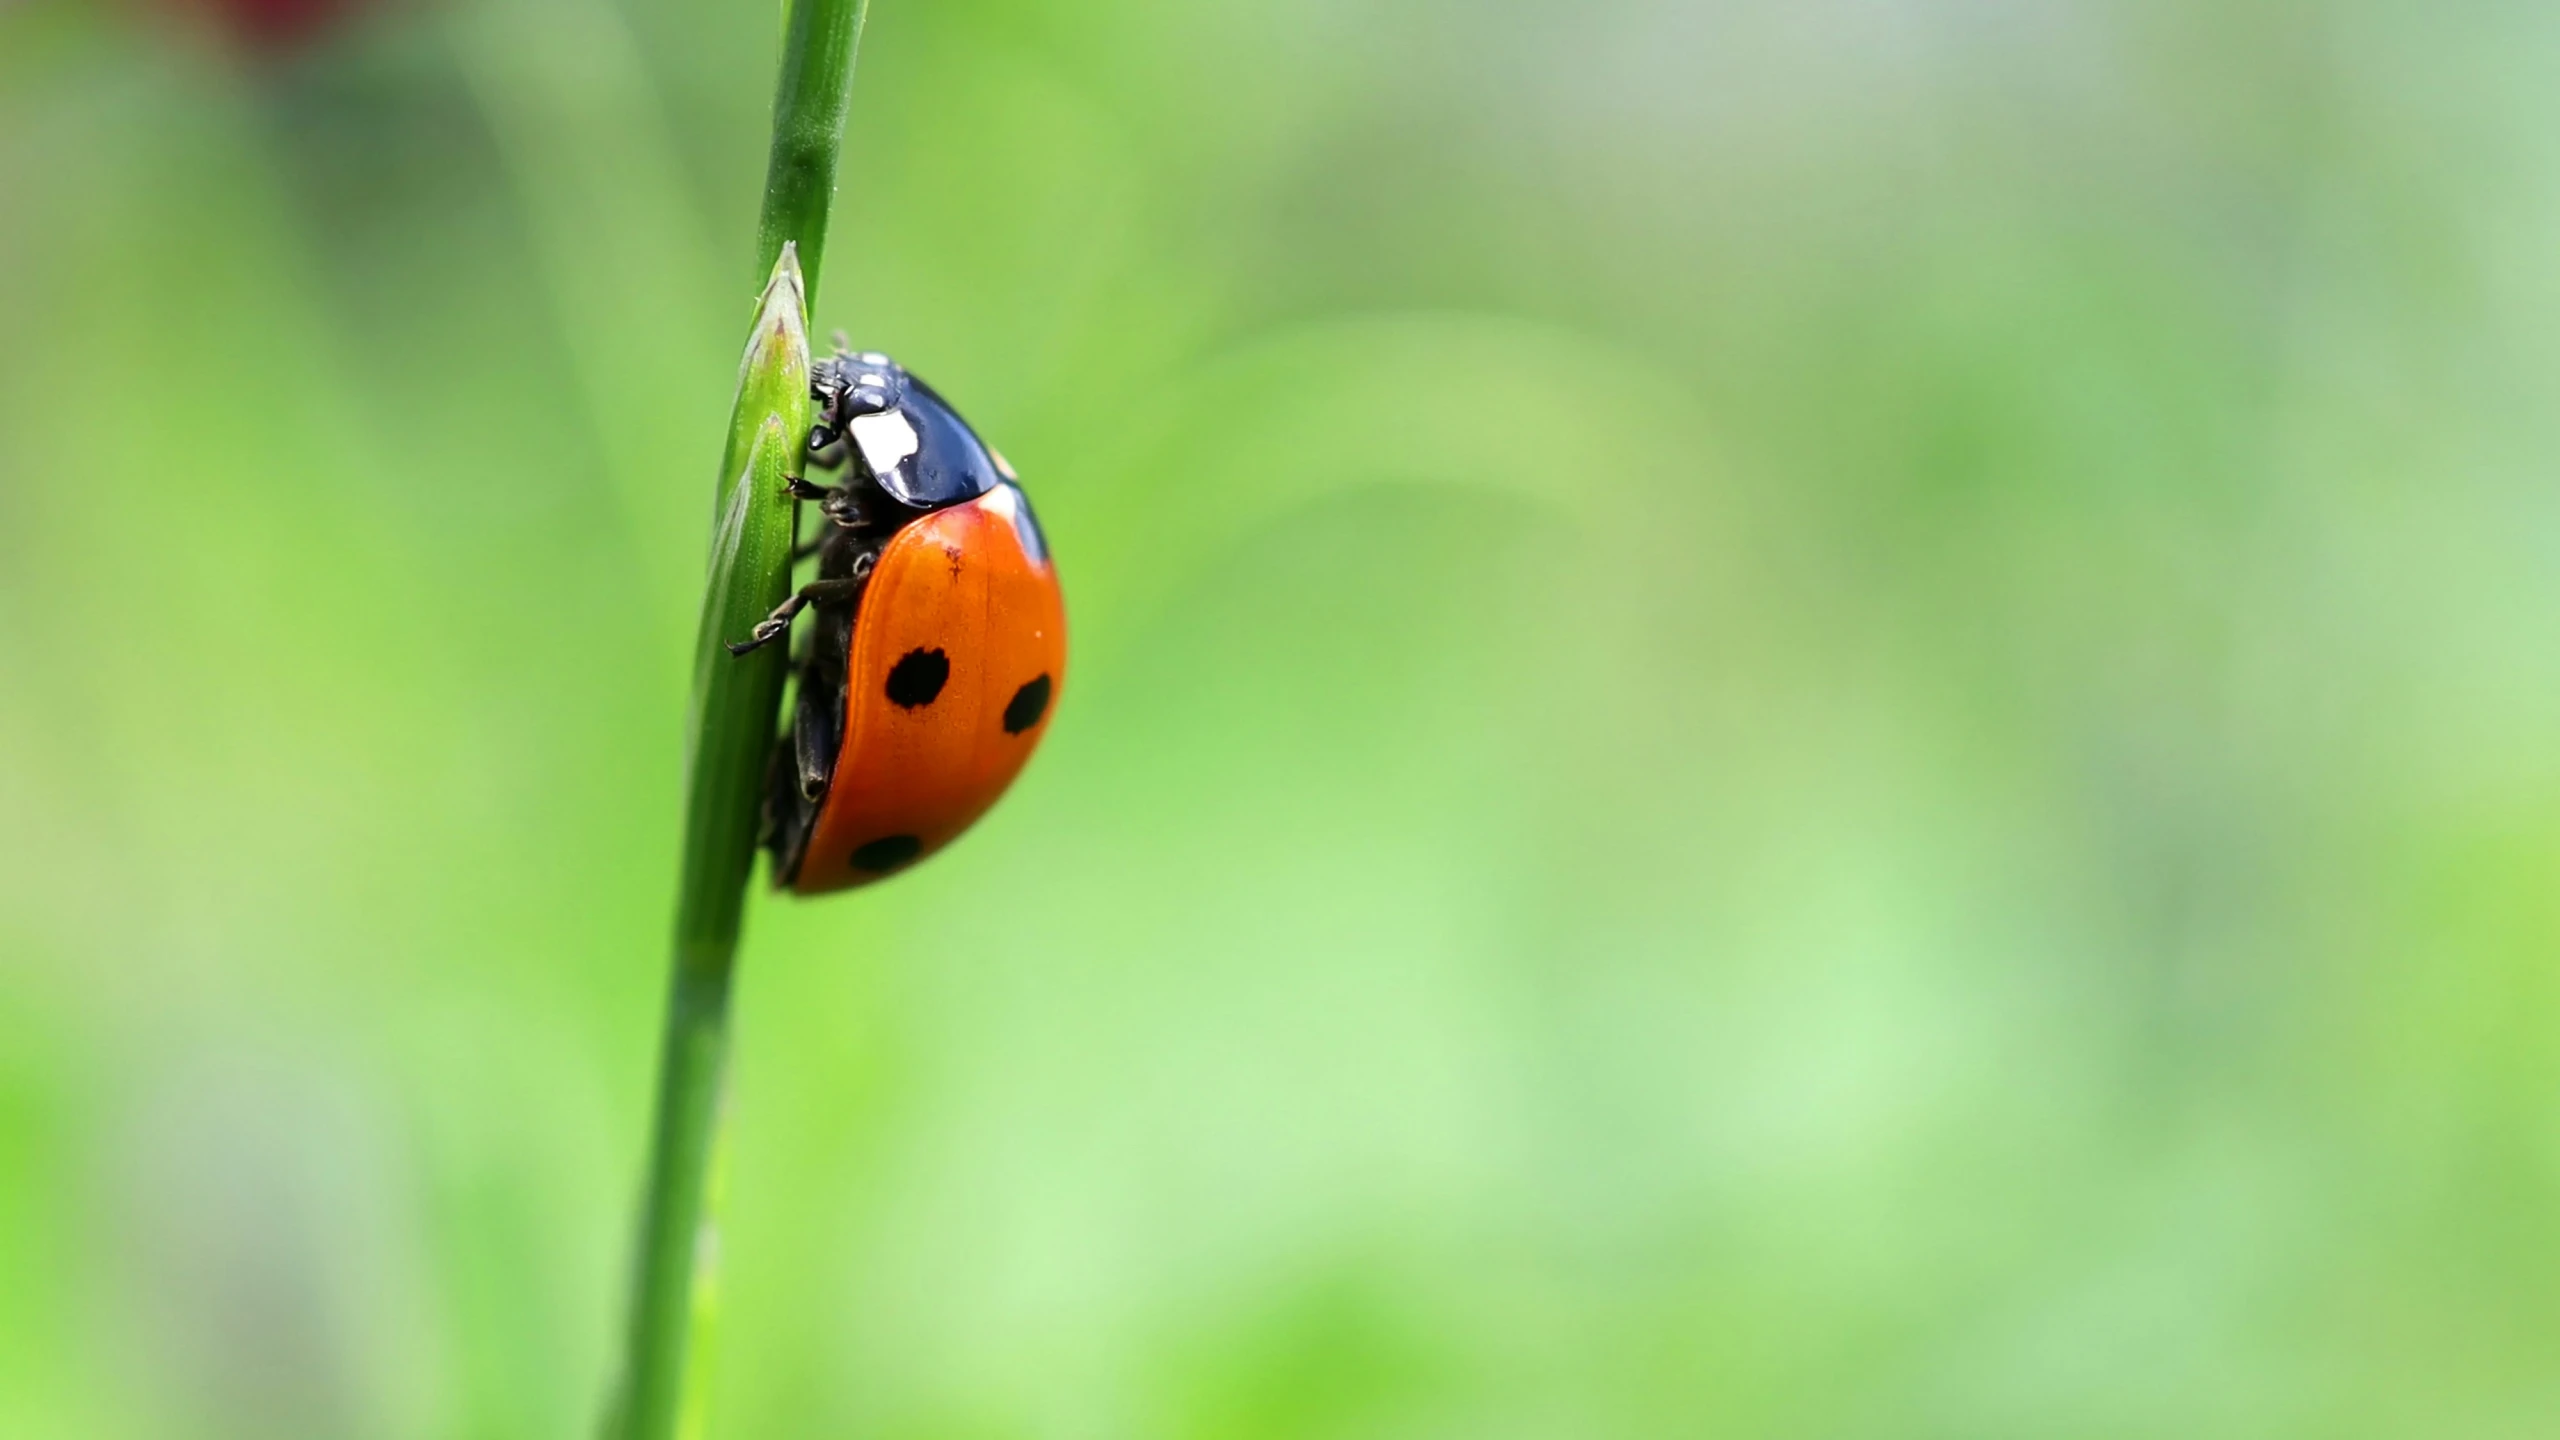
(939, 641)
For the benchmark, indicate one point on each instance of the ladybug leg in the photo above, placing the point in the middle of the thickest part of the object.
(839, 503)
(773, 627)
(844, 508)
(816, 592)
(817, 544)
(814, 741)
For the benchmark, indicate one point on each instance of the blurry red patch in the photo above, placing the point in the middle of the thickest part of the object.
(274, 25)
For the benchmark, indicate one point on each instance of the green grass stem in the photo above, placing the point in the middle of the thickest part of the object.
(809, 108)
(730, 727)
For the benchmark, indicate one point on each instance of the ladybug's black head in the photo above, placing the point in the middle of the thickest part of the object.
(901, 435)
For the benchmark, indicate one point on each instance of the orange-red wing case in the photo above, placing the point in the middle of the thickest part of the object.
(959, 652)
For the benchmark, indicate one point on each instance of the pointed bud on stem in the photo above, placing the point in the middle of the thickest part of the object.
(729, 730)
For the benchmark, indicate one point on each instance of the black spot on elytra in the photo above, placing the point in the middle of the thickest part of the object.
(887, 853)
(1028, 705)
(918, 677)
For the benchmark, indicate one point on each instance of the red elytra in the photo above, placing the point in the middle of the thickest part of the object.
(958, 655)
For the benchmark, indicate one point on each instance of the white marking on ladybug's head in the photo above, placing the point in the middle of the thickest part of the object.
(1004, 467)
(886, 440)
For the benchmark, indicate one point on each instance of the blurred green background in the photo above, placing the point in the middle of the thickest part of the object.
(1790, 717)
